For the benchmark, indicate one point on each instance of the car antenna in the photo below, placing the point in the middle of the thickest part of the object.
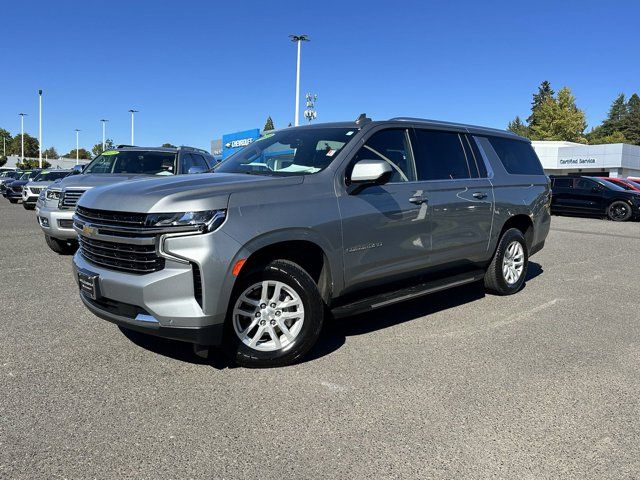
(362, 119)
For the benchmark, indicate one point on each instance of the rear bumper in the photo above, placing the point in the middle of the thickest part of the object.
(52, 222)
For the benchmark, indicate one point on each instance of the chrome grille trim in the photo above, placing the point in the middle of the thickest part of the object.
(69, 198)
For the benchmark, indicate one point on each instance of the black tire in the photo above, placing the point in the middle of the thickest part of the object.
(28, 206)
(296, 278)
(619, 211)
(61, 247)
(494, 279)
(13, 200)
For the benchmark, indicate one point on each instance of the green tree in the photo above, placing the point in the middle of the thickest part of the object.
(50, 152)
(596, 137)
(97, 148)
(615, 118)
(558, 119)
(30, 146)
(268, 125)
(168, 145)
(631, 124)
(32, 163)
(82, 154)
(5, 140)
(518, 127)
(545, 92)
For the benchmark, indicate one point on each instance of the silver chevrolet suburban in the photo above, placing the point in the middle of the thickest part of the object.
(341, 218)
(56, 204)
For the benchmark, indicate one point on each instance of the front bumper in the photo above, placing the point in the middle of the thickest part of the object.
(29, 198)
(163, 303)
(14, 195)
(56, 223)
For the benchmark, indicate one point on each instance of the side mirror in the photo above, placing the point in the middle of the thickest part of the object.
(196, 169)
(372, 172)
(77, 169)
(596, 189)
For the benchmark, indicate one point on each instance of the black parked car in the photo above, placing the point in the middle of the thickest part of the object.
(593, 196)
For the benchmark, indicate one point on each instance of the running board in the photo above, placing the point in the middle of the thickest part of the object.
(415, 291)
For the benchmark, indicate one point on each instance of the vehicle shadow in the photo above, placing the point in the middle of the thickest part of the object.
(335, 331)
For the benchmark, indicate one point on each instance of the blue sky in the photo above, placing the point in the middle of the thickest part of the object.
(196, 70)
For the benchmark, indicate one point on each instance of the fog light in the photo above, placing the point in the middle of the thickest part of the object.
(44, 222)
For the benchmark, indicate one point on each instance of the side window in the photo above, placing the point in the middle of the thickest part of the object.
(583, 184)
(392, 146)
(518, 157)
(188, 160)
(473, 146)
(562, 183)
(441, 156)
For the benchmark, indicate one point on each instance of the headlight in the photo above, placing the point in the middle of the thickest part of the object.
(53, 194)
(42, 194)
(206, 221)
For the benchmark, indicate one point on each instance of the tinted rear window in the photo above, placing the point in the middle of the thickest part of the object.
(440, 156)
(518, 157)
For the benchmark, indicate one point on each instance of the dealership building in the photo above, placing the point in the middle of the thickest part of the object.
(611, 160)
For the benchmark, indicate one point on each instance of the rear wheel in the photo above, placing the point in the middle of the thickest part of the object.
(619, 211)
(61, 247)
(508, 269)
(276, 316)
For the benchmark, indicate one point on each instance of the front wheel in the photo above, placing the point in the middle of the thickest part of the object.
(619, 211)
(13, 200)
(508, 268)
(276, 316)
(28, 206)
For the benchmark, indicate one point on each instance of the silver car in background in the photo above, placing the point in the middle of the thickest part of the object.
(32, 190)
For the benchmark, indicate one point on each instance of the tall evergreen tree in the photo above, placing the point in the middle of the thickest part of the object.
(518, 127)
(545, 92)
(631, 124)
(268, 125)
(616, 117)
(559, 119)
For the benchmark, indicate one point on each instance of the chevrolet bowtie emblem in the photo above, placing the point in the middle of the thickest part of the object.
(88, 230)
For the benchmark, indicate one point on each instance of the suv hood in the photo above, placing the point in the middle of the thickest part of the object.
(182, 193)
(96, 179)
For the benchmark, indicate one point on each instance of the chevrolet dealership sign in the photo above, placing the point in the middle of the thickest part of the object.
(232, 142)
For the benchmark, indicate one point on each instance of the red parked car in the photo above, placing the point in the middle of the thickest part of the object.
(635, 180)
(626, 184)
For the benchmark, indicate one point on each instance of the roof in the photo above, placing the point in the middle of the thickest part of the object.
(476, 129)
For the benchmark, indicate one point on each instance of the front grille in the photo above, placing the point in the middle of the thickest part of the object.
(105, 217)
(69, 198)
(35, 189)
(16, 189)
(65, 223)
(124, 257)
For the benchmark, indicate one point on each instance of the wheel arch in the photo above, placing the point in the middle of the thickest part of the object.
(522, 222)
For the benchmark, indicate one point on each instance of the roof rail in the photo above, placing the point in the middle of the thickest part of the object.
(193, 149)
(124, 146)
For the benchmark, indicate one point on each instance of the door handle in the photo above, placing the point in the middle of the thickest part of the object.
(480, 195)
(417, 199)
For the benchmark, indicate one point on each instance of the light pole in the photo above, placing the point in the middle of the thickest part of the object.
(77, 146)
(132, 114)
(104, 122)
(40, 128)
(22, 115)
(298, 39)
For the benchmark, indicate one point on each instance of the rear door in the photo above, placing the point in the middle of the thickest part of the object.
(561, 192)
(587, 196)
(459, 194)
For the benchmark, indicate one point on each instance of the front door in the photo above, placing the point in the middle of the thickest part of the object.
(385, 227)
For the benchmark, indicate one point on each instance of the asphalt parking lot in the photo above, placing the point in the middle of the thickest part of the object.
(543, 384)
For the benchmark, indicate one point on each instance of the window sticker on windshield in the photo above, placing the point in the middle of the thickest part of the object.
(330, 152)
(110, 152)
(264, 137)
(350, 132)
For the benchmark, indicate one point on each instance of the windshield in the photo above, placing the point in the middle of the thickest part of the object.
(51, 176)
(133, 161)
(25, 176)
(289, 152)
